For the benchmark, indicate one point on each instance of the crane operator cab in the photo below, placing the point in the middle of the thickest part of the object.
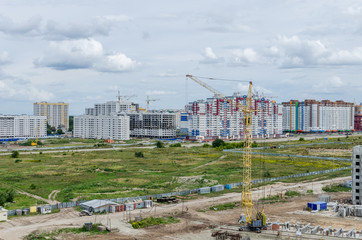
(255, 225)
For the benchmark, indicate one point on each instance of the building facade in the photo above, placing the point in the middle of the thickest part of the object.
(153, 125)
(112, 107)
(358, 118)
(56, 113)
(22, 126)
(315, 116)
(357, 175)
(102, 127)
(220, 118)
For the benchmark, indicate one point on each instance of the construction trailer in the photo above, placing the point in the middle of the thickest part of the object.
(98, 205)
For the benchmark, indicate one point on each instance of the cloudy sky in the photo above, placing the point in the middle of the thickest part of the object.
(84, 51)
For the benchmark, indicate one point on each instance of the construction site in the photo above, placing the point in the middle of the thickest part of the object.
(253, 188)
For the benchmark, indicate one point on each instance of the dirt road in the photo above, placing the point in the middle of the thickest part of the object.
(192, 221)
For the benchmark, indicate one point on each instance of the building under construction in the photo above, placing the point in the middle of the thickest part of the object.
(315, 116)
(153, 125)
(22, 126)
(222, 118)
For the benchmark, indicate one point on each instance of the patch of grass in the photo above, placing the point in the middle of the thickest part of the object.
(292, 194)
(50, 235)
(336, 188)
(272, 197)
(151, 221)
(222, 207)
(309, 191)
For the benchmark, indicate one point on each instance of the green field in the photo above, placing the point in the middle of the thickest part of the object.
(119, 173)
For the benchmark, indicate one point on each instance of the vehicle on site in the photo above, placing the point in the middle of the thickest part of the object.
(85, 213)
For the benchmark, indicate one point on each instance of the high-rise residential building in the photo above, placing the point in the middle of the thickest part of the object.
(22, 126)
(153, 125)
(358, 117)
(220, 118)
(357, 175)
(102, 127)
(315, 116)
(56, 113)
(112, 107)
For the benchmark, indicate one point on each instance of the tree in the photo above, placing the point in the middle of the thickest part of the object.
(60, 131)
(15, 154)
(218, 143)
(160, 144)
(301, 139)
(138, 154)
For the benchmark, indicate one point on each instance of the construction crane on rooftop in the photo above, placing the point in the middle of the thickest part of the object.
(124, 98)
(255, 220)
(148, 100)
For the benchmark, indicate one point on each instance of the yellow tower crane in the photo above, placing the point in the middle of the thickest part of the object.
(148, 100)
(35, 142)
(255, 220)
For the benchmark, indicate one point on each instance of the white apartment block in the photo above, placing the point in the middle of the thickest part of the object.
(111, 108)
(217, 117)
(315, 116)
(22, 126)
(56, 113)
(102, 127)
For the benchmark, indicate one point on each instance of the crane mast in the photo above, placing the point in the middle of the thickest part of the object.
(246, 199)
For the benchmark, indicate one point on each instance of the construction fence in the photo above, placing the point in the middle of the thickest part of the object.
(156, 196)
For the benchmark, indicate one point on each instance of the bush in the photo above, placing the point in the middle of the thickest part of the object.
(292, 194)
(301, 139)
(267, 174)
(218, 143)
(175, 145)
(18, 160)
(138, 154)
(160, 144)
(7, 196)
(206, 145)
(254, 144)
(40, 152)
(32, 186)
(15, 154)
(336, 188)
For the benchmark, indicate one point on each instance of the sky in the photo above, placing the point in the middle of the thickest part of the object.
(83, 52)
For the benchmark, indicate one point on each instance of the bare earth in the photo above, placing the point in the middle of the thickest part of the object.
(194, 224)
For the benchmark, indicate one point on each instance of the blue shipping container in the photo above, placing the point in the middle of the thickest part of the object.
(318, 205)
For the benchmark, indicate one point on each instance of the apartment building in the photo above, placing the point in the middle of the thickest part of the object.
(153, 125)
(220, 118)
(102, 127)
(56, 113)
(314, 116)
(112, 107)
(357, 175)
(358, 118)
(22, 126)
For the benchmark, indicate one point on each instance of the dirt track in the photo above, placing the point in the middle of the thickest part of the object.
(192, 221)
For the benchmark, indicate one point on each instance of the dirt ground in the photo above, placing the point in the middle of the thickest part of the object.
(194, 223)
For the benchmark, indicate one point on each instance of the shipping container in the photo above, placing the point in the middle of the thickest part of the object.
(217, 188)
(204, 190)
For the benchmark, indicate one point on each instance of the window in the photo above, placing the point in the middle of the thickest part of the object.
(357, 190)
(357, 177)
(357, 163)
(357, 197)
(357, 170)
(357, 184)
(358, 156)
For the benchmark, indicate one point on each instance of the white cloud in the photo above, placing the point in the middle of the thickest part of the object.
(245, 57)
(28, 27)
(210, 57)
(4, 58)
(295, 52)
(159, 92)
(24, 92)
(84, 53)
(330, 85)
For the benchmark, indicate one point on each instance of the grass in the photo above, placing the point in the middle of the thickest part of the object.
(53, 234)
(222, 207)
(336, 188)
(113, 173)
(292, 194)
(151, 221)
(22, 201)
